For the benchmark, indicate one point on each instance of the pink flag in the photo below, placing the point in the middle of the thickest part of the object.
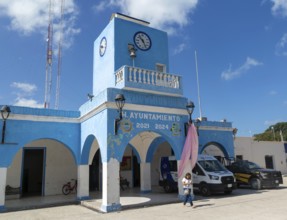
(190, 150)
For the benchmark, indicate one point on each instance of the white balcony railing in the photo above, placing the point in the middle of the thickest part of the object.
(143, 76)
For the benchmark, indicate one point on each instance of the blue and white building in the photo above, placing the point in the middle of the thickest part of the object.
(98, 143)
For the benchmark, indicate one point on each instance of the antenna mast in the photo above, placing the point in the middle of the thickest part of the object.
(48, 82)
(59, 56)
(199, 104)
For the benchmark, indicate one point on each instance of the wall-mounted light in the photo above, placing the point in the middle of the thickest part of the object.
(90, 96)
(234, 132)
(5, 112)
(189, 108)
(120, 102)
(132, 50)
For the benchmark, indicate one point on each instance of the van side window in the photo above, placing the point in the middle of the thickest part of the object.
(197, 170)
(173, 165)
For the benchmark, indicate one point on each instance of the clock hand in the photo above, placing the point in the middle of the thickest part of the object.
(142, 41)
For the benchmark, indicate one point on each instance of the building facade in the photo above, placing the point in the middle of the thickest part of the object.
(136, 114)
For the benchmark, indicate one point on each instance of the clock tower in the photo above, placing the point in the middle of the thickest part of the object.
(128, 42)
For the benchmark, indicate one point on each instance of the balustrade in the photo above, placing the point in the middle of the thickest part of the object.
(143, 76)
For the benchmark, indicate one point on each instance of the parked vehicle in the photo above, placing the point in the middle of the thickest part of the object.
(249, 173)
(209, 175)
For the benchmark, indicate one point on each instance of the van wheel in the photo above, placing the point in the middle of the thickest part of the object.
(255, 183)
(167, 188)
(204, 189)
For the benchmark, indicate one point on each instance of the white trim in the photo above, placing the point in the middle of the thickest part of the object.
(153, 92)
(43, 118)
(97, 110)
(214, 128)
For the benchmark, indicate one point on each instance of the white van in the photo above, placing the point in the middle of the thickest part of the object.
(209, 175)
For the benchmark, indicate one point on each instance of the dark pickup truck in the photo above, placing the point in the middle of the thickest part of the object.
(249, 173)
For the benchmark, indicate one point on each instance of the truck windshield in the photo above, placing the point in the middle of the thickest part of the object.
(212, 165)
(252, 166)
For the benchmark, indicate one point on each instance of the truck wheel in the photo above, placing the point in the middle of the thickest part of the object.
(204, 189)
(255, 183)
(227, 192)
(167, 188)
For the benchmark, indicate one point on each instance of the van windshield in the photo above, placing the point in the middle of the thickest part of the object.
(212, 165)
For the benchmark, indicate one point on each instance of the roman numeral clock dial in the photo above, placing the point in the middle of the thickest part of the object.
(142, 41)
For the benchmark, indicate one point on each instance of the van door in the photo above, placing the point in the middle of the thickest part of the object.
(197, 176)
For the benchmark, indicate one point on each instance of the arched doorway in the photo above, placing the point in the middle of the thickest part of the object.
(216, 150)
(95, 179)
(41, 168)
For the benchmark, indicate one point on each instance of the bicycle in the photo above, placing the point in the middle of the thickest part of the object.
(68, 187)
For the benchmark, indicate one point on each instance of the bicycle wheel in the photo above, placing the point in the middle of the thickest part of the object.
(66, 189)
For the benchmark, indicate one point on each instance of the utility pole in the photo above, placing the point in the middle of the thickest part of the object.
(273, 133)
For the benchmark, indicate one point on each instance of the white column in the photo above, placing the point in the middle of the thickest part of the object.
(145, 177)
(111, 186)
(83, 182)
(3, 176)
(187, 169)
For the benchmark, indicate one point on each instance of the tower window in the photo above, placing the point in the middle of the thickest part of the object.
(160, 68)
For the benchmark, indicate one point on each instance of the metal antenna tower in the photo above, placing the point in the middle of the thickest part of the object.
(59, 56)
(48, 82)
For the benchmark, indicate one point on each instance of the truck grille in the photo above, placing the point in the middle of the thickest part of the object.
(227, 179)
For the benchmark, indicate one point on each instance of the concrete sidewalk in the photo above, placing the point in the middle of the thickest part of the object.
(129, 198)
(244, 203)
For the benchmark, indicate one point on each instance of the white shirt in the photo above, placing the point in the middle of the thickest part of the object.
(186, 183)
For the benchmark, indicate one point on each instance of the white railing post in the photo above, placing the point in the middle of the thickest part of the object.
(135, 76)
(130, 73)
(144, 80)
(139, 74)
(152, 78)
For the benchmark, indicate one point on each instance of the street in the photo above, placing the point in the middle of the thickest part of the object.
(243, 203)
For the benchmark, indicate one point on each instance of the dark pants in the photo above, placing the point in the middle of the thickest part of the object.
(188, 198)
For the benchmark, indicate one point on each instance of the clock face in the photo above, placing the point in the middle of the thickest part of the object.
(103, 46)
(142, 40)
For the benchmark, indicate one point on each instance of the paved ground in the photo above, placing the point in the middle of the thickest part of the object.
(242, 204)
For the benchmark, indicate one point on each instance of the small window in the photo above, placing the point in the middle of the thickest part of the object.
(239, 157)
(197, 170)
(269, 162)
(160, 68)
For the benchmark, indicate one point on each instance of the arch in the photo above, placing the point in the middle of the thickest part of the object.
(59, 164)
(220, 146)
(86, 156)
(134, 151)
(9, 160)
(153, 146)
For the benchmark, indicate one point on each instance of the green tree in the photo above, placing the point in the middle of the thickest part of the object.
(273, 133)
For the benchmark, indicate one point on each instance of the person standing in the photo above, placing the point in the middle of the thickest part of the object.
(187, 186)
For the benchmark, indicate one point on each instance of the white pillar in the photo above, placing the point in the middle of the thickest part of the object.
(145, 177)
(187, 169)
(111, 186)
(3, 176)
(83, 182)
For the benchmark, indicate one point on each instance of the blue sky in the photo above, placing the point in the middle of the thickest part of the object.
(241, 52)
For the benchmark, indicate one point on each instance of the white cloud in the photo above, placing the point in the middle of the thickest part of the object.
(28, 103)
(179, 48)
(29, 16)
(24, 90)
(281, 46)
(279, 7)
(24, 87)
(163, 14)
(231, 74)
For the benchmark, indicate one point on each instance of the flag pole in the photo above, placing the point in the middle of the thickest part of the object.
(199, 104)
